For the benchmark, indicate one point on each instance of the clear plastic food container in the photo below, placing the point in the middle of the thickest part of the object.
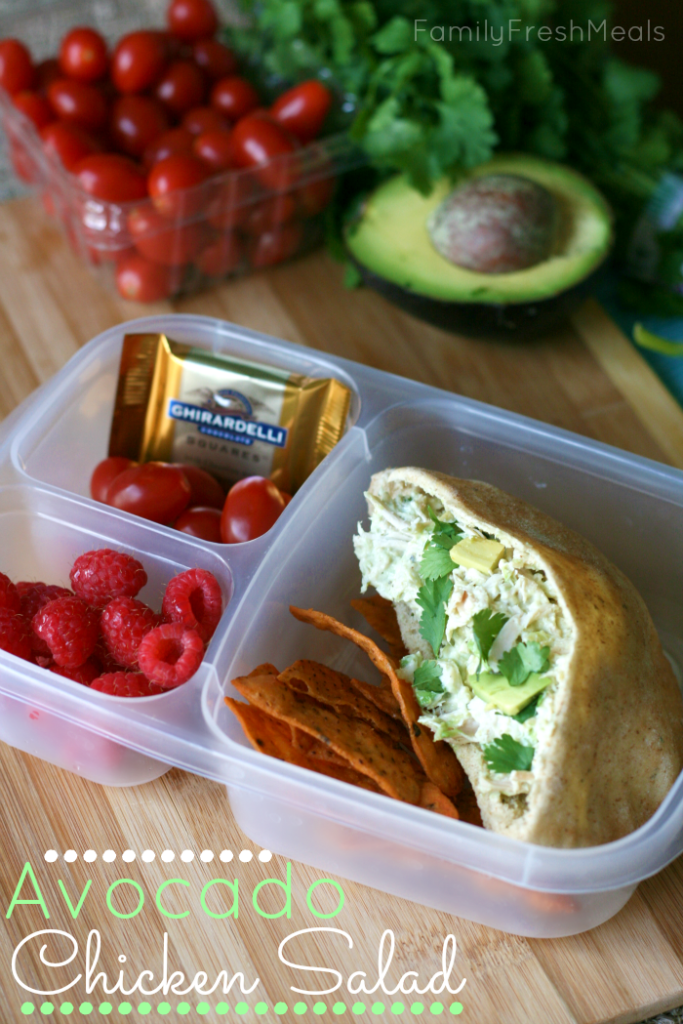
(235, 222)
(628, 506)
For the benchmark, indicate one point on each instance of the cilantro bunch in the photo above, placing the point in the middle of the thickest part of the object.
(429, 107)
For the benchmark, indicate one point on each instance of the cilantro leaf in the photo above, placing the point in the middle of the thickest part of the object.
(447, 531)
(487, 625)
(436, 560)
(529, 711)
(432, 598)
(427, 683)
(518, 663)
(506, 755)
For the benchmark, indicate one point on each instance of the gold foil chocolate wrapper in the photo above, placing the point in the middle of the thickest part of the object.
(233, 418)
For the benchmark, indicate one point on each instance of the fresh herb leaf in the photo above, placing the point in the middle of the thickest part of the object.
(436, 560)
(427, 683)
(450, 531)
(432, 598)
(518, 664)
(486, 626)
(529, 711)
(506, 755)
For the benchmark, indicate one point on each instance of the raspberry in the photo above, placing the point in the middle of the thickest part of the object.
(170, 654)
(126, 684)
(85, 673)
(124, 622)
(99, 576)
(9, 595)
(194, 599)
(69, 628)
(35, 596)
(15, 635)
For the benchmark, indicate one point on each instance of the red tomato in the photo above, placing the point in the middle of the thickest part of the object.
(78, 102)
(140, 280)
(24, 165)
(234, 97)
(111, 177)
(177, 140)
(154, 490)
(136, 122)
(315, 195)
(270, 213)
(286, 497)
(16, 67)
(215, 149)
(69, 143)
(172, 185)
(161, 241)
(35, 107)
(221, 257)
(182, 87)
(230, 206)
(303, 109)
(47, 71)
(252, 506)
(105, 473)
(83, 55)
(191, 19)
(139, 61)
(275, 246)
(215, 59)
(258, 141)
(204, 119)
(205, 489)
(201, 522)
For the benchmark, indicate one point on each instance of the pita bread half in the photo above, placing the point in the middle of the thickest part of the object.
(611, 745)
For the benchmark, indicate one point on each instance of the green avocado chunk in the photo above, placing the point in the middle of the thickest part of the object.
(497, 692)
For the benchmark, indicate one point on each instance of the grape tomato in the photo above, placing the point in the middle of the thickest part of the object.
(155, 490)
(200, 521)
(104, 474)
(252, 506)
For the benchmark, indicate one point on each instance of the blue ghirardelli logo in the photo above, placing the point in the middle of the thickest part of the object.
(231, 426)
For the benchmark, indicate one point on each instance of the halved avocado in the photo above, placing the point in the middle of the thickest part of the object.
(390, 244)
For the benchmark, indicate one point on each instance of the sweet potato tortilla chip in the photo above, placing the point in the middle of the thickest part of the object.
(380, 615)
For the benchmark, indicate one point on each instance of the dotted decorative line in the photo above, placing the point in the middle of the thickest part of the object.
(167, 856)
(222, 1009)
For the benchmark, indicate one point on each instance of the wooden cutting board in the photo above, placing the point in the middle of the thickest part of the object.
(586, 378)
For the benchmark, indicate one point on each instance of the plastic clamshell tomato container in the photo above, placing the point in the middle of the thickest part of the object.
(233, 223)
(630, 507)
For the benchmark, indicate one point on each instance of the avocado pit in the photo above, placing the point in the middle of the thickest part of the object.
(495, 224)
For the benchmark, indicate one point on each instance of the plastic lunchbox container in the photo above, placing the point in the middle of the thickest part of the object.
(628, 506)
(235, 222)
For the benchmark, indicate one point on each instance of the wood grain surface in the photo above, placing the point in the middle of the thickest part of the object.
(585, 378)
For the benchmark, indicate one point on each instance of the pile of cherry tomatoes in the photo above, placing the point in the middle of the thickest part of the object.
(189, 499)
(157, 125)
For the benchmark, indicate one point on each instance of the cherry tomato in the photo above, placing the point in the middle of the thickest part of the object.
(83, 55)
(177, 140)
(47, 71)
(277, 245)
(155, 490)
(139, 61)
(315, 195)
(78, 102)
(234, 97)
(222, 256)
(105, 473)
(201, 522)
(182, 87)
(215, 59)
(111, 177)
(16, 67)
(22, 161)
(205, 119)
(160, 240)
(257, 141)
(270, 213)
(215, 149)
(136, 122)
(230, 205)
(303, 109)
(252, 506)
(286, 497)
(35, 107)
(173, 185)
(69, 143)
(205, 489)
(140, 280)
(191, 19)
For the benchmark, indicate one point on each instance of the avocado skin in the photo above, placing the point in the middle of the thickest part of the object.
(487, 321)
